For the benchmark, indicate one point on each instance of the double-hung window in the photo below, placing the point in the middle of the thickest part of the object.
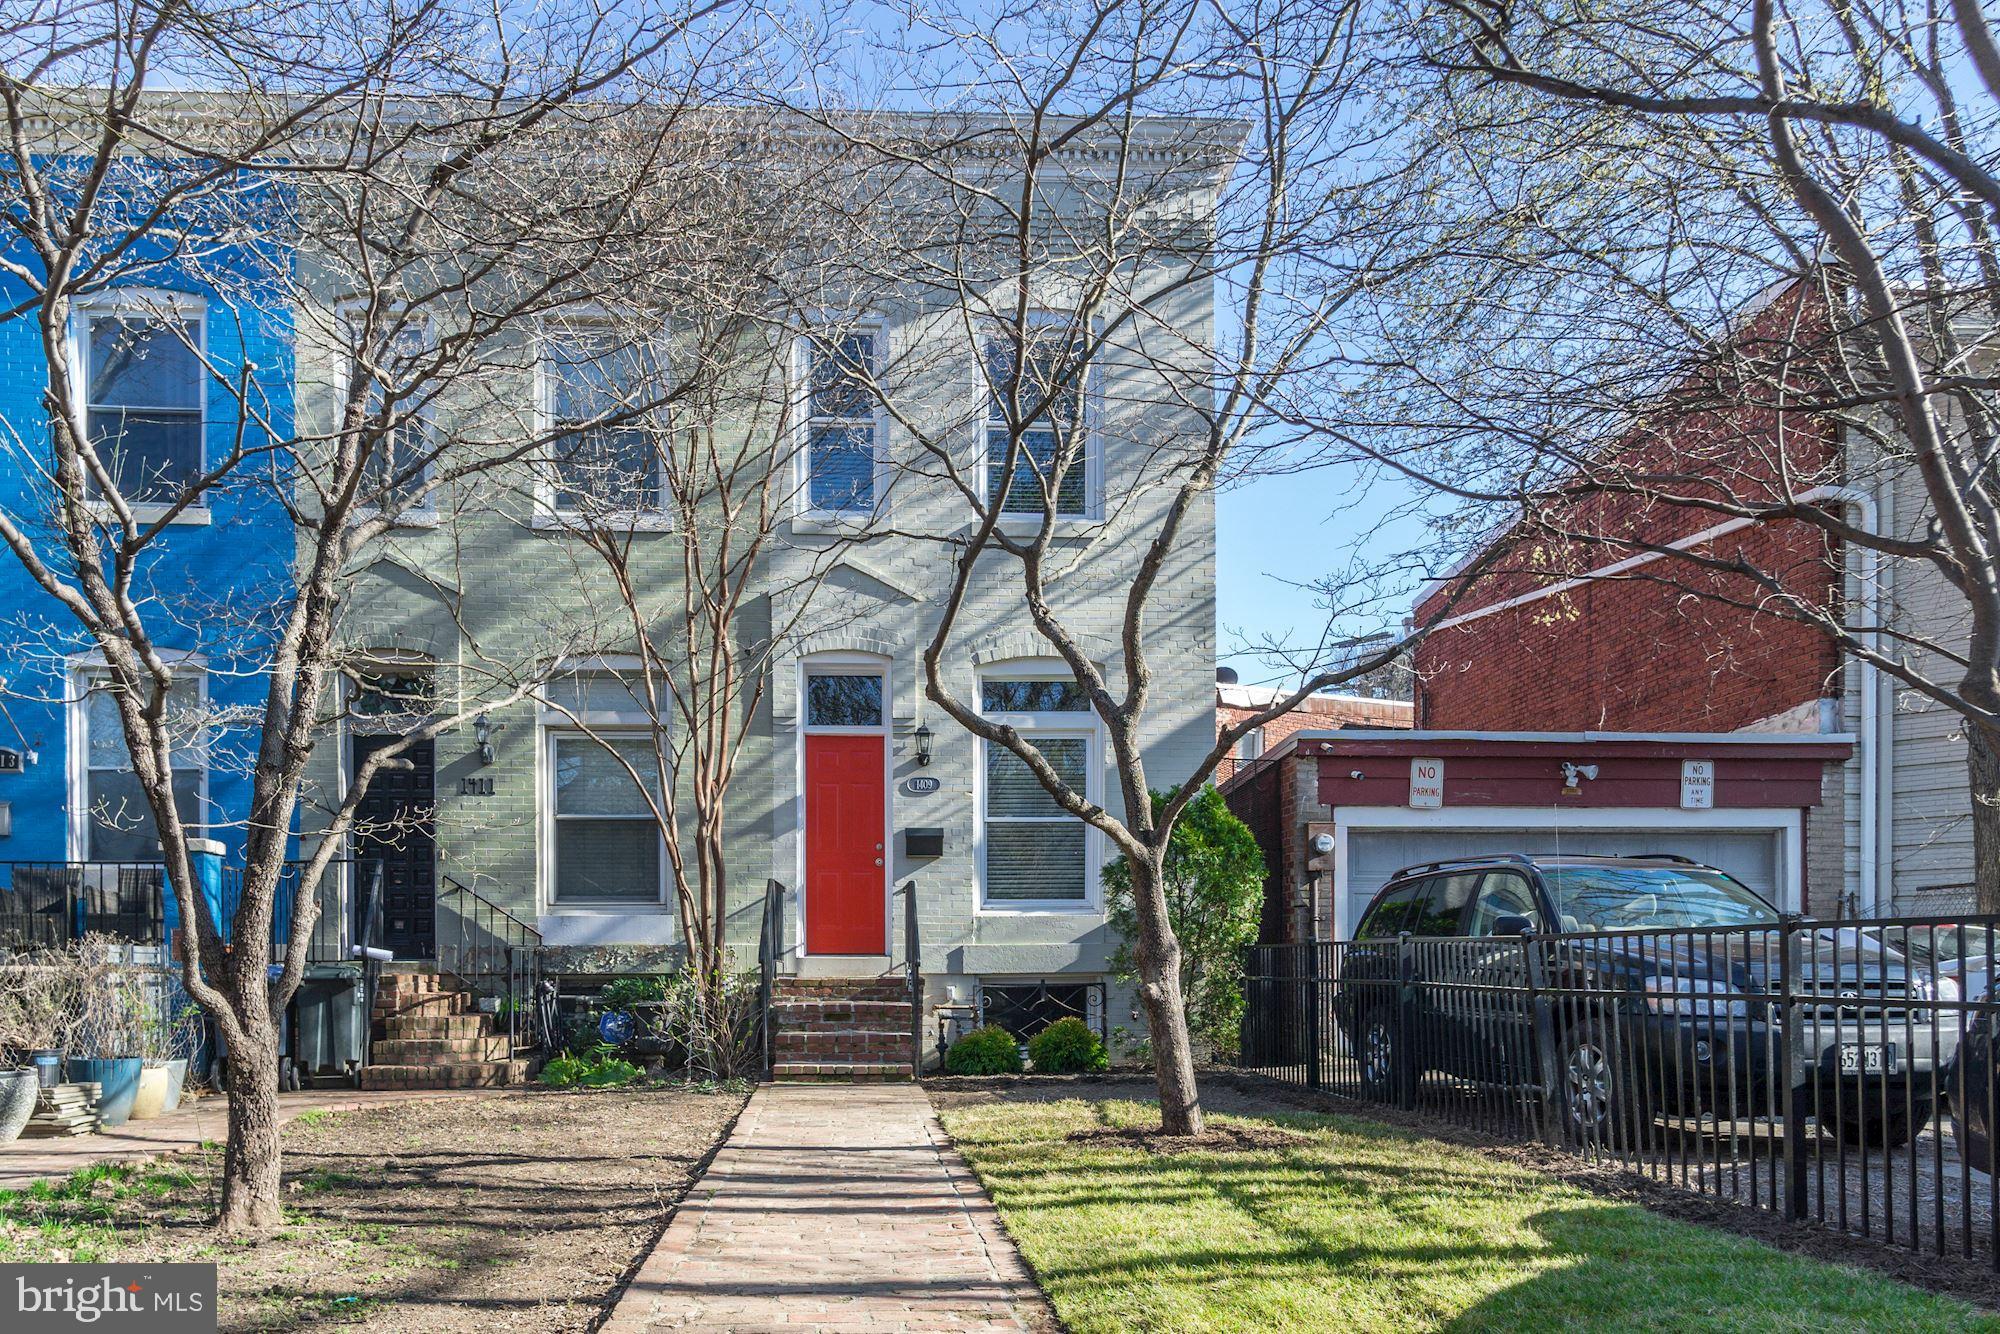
(603, 451)
(1036, 855)
(601, 821)
(841, 423)
(113, 819)
(1040, 414)
(143, 386)
(398, 464)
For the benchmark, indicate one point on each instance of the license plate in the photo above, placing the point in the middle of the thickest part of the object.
(1867, 1058)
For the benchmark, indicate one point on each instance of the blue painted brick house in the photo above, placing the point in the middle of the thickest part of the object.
(211, 587)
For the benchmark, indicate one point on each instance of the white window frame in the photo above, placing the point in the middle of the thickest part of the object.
(553, 726)
(548, 514)
(1249, 747)
(803, 418)
(846, 664)
(1088, 422)
(1084, 724)
(82, 672)
(187, 306)
(426, 514)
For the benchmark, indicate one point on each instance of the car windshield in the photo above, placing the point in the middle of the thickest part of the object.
(1635, 898)
(1952, 943)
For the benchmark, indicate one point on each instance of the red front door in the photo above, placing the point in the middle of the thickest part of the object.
(845, 880)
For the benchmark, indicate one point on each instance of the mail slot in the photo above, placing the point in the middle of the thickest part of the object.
(923, 842)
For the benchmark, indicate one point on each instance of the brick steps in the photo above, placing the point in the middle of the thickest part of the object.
(840, 1029)
(840, 1072)
(472, 1075)
(428, 1034)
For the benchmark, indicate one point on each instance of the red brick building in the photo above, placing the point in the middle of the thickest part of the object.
(1583, 623)
(1233, 703)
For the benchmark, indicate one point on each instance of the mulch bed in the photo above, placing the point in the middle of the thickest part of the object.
(527, 1211)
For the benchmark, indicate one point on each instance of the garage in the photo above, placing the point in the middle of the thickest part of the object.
(1338, 812)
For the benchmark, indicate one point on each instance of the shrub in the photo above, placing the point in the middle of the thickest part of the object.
(984, 1051)
(599, 1070)
(1066, 1047)
(1215, 894)
(633, 989)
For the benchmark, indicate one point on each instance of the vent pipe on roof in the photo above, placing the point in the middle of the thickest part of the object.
(1225, 676)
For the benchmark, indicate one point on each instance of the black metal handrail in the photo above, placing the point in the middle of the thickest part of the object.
(767, 967)
(913, 966)
(494, 954)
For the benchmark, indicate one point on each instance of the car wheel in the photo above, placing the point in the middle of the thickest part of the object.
(1376, 1049)
(1869, 1128)
(1595, 1098)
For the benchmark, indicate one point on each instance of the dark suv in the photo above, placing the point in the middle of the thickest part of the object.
(1655, 976)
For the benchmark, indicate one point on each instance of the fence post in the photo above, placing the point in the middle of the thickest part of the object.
(1312, 1014)
(1541, 1040)
(1791, 1065)
(1406, 1023)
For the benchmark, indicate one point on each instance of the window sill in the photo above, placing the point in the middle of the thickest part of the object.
(635, 521)
(194, 516)
(824, 523)
(425, 518)
(1039, 910)
(1065, 529)
(608, 908)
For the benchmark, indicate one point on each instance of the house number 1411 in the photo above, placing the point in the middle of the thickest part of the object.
(473, 786)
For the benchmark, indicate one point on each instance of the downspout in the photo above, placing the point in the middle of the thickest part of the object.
(1876, 742)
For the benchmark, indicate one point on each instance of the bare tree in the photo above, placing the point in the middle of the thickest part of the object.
(1139, 235)
(1781, 215)
(412, 187)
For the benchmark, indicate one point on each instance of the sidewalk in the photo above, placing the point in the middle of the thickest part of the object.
(833, 1207)
(28, 1160)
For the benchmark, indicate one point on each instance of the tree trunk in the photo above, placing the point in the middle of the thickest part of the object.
(250, 1165)
(1159, 959)
(1982, 762)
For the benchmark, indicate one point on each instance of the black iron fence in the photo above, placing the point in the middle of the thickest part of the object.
(53, 903)
(1836, 1073)
(498, 956)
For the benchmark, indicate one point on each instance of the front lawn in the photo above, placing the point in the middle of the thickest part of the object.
(1348, 1224)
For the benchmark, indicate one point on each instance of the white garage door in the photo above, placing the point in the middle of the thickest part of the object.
(1373, 855)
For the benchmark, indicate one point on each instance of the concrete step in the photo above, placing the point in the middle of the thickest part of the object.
(840, 1072)
(440, 1051)
(464, 1075)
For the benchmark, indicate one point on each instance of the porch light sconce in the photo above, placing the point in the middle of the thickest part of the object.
(924, 736)
(482, 732)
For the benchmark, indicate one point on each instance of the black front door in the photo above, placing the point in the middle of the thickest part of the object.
(398, 828)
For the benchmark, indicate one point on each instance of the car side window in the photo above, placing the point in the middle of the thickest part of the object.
(1442, 909)
(1503, 894)
(1390, 913)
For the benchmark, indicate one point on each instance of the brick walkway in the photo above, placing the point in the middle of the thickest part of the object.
(28, 1160)
(837, 1207)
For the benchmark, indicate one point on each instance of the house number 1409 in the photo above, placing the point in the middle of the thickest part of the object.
(475, 787)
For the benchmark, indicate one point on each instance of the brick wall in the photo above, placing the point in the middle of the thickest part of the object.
(1667, 645)
(1322, 711)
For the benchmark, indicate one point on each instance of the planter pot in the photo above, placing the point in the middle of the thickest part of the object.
(18, 1091)
(151, 1098)
(119, 1078)
(177, 1073)
(47, 1066)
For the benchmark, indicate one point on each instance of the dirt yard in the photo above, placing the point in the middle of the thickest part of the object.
(520, 1212)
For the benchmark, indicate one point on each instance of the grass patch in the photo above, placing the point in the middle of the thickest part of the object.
(1360, 1225)
(315, 1117)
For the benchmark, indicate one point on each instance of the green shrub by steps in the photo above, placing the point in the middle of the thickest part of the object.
(984, 1051)
(1067, 1047)
(596, 1071)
